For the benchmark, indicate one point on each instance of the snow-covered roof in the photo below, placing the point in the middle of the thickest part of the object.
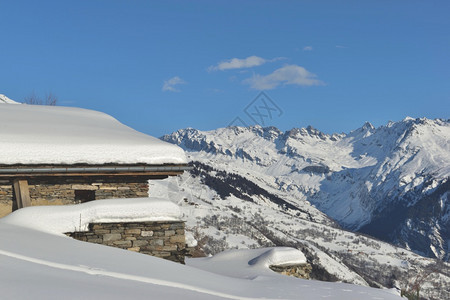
(4, 99)
(58, 219)
(35, 134)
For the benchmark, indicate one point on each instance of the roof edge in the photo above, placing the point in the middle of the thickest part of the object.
(39, 170)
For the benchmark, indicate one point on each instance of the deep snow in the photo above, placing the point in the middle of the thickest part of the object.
(36, 264)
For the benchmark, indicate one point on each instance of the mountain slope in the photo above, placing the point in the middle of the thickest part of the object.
(376, 180)
(225, 210)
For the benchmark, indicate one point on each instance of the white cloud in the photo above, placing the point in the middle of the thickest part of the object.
(289, 74)
(307, 48)
(169, 85)
(241, 63)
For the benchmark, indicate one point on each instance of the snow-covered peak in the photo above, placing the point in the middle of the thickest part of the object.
(363, 132)
(368, 126)
(4, 99)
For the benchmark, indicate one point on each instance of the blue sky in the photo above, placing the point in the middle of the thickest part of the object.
(159, 66)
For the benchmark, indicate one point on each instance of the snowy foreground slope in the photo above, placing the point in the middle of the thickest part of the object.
(42, 264)
(391, 182)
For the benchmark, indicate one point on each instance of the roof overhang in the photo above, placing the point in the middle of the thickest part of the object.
(91, 170)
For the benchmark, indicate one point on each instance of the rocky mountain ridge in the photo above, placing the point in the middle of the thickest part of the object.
(390, 182)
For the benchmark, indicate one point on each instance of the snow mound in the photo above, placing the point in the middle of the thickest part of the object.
(36, 134)
(256, 262)
(190, 239)
(4, 99)
(70, 218)
(279, 257)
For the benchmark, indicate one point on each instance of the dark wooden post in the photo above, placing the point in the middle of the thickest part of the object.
(22, 193)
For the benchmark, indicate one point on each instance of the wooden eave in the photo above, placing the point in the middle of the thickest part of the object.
(21, 171)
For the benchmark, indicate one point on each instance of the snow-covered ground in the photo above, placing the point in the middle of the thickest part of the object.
(37, 134)
(39, 263)
(234, 223)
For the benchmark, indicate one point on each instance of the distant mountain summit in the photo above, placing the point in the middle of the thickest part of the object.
(391, 182)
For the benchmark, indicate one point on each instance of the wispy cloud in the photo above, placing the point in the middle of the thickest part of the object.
(241, 63)
(287, 75)
(169, 85)
(308, 48)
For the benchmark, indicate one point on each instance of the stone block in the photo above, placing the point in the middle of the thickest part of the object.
(109, 237)
(123, 243)
(178, 239)
(157, 242)
(111, 188)
(170, 248)
(133, 231)
(176, 226)
(84, 187)
(135, 249)
(102, 231)
(147, 233)
(169, 233)
(140, 243)
(141, 194)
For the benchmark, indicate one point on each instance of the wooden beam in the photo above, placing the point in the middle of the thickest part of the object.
(22, 193)
(88, 174)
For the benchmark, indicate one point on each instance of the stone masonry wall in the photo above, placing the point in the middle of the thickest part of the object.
(161, 239)
(6, 199)
(299, 271)
(61, 190)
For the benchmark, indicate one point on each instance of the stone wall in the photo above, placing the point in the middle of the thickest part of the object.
(61, 190)
(299, 271)
(6, 199)
(161, 239)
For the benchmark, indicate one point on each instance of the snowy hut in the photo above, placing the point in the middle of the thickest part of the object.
(51, 155)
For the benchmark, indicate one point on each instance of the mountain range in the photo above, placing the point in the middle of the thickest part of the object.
(390, 182)
(333, 195)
